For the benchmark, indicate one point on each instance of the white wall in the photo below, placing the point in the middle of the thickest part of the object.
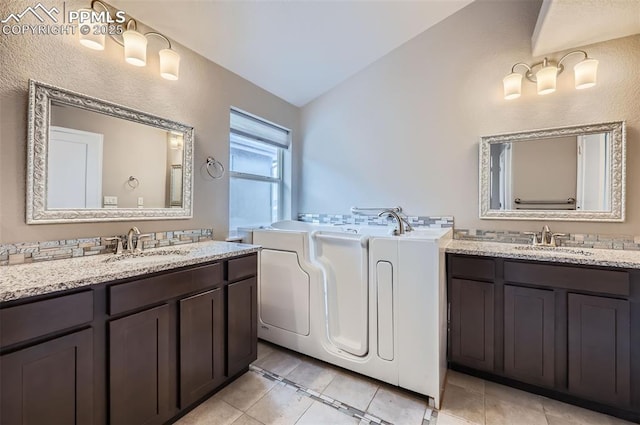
(405, 130)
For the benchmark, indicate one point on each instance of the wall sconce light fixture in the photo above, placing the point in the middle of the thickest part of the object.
(545, 74)
(134, 43)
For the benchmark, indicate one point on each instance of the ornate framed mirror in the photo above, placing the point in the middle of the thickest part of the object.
(90, 160)
(572, 173)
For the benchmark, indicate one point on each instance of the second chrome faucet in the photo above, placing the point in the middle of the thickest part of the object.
(545, 237)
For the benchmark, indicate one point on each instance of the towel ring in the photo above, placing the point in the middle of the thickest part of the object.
(214, 168)
(133, 182)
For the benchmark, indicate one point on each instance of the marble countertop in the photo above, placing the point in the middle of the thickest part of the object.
(586, 256)
(26, 280)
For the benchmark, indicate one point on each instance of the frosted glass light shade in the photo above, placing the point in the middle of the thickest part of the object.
(546, 79)
(135, 48)
(512, 85)
(585, 73)
(169, 64)
(90, 39)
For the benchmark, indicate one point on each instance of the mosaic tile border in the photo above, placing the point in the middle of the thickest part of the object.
(365, 418)
(373, 220)
(29, 252)
(575, 240)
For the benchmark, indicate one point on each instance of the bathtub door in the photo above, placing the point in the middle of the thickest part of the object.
(284, 291)
(344, 262)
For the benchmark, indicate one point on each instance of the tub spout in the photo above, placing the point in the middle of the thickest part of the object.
(400, 230)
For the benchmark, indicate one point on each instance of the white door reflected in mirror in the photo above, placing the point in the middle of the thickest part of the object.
(75, 169)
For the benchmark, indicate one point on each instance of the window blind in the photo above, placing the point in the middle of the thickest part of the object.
(253, 128)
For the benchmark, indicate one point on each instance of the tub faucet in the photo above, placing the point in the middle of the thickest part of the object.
(133, 231)
(400, 230)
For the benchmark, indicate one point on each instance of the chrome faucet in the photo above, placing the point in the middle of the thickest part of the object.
(141, 239)
(133, 231)
(547, 238)
(403, 226)
(118, 241)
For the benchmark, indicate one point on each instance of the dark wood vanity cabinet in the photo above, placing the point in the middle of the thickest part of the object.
(471, 326)
(139, 367)
(565, 331)
(599, 348)
(529, 335)
(141, 351)
(202, 348)
(47, 361)
(242, 344)
(49, 383)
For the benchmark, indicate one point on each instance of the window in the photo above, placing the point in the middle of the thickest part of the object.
(256, 163)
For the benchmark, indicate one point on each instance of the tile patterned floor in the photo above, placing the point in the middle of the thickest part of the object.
(286, 388)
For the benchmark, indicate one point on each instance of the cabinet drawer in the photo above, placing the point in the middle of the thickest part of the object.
(27, 321)
(243, 267)
(132, 295)
(568, 277)
(473, 268)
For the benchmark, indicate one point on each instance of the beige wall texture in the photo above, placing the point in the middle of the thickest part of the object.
(405, 130)
(201, 98)
(129, 149)
(545, 169)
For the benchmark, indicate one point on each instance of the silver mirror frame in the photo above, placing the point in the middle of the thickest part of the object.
(617, 174)
(40, 97)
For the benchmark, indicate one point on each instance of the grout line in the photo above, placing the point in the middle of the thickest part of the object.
(327, 401)
(303, 413)
(371, 401)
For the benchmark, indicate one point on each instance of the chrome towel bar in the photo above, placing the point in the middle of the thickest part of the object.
(569, 201)
(364, 211)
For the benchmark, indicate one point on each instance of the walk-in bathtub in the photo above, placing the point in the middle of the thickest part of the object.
(358, 297)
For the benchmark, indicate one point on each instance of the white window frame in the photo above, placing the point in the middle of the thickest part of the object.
(279, 179)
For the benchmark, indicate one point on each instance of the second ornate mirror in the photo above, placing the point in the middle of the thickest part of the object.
(570, 173)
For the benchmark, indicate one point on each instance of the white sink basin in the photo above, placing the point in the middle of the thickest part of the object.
(153, 255)
(570, 251)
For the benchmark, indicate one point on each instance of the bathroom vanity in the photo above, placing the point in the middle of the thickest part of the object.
(559, 324)
(148, 343)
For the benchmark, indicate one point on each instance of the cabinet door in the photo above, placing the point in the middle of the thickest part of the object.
(242, 325)
(529, 335)
(201, 345)
(599, 348)
(472, 323)
(49, 383)
(139, 368)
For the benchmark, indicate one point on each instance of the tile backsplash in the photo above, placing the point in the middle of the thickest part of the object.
(579, 240)
(28, 252)
(374, 220)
